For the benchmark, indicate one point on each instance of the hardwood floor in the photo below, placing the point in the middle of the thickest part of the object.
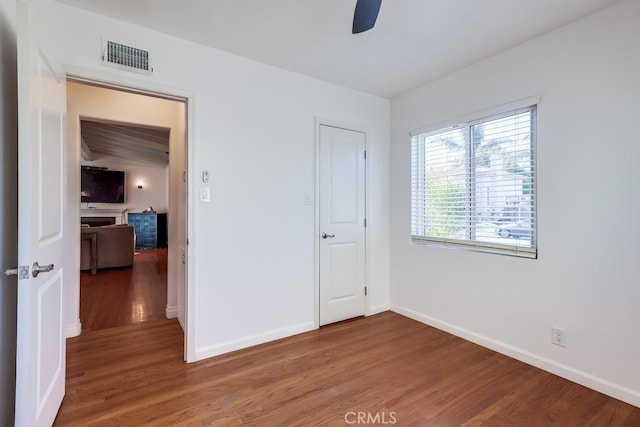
(385, 369)
(123, 296)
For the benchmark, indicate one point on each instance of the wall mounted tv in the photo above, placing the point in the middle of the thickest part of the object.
(99, 185)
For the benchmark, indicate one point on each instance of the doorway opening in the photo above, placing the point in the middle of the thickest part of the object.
(144, 136)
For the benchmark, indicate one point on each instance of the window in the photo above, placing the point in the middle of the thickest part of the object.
(473, 184)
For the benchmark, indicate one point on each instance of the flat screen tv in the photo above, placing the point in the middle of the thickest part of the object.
(101, 186)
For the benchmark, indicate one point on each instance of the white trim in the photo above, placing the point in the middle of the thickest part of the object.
(171, 312)
(182, 325)
(377, 309)
(467, 118)
(316, 228)
(126, 82)
(189, 314)
(73, 329)
(477, 246)
(252, 340)
(609, 388)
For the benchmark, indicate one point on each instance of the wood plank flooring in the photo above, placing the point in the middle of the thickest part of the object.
(123, 296)
(386, 369)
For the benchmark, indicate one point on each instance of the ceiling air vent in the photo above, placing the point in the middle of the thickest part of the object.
(126, 57)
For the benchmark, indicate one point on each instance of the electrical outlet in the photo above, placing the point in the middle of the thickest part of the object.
(559, 336)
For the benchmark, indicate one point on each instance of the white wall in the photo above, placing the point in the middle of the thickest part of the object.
(8, 208)
(252, 126)
(587, 276)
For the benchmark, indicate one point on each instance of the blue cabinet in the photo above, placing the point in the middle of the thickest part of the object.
(150, 229)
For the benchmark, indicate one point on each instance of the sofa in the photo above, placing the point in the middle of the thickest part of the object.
(114, 246)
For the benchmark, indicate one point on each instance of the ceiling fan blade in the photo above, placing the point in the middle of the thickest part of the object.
(365, 15)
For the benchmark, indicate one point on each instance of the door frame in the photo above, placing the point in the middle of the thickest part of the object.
(322, 121)
(134, 85)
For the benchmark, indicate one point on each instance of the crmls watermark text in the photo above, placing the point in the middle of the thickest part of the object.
(377, 418)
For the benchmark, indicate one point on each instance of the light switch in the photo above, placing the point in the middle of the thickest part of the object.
(307, 199)
(205, 194)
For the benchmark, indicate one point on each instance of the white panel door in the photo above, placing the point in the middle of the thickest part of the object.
(342, 228)
(40, 362)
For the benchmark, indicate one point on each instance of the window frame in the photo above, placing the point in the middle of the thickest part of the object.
(466, 124)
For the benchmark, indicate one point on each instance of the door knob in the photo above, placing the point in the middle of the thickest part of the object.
(325, 235)
(37, 269)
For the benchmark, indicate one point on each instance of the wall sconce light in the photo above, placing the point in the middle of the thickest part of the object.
(139, 185)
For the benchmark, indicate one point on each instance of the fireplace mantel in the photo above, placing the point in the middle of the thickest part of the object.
(117, 214)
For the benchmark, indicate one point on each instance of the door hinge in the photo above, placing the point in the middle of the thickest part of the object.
(365, 291)
(365, 154)
(365, 223)
(22, 271)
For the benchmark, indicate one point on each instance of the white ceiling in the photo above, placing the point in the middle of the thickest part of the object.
(413, 42)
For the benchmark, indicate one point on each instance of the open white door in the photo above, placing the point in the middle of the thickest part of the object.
(40, 359)
(342, 228)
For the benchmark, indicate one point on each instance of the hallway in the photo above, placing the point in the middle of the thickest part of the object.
(124, 296)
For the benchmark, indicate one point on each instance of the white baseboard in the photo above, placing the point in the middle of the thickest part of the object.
(73, 330)
(378, 309)
(609, 388)
(252, 340)
(171, 312)
(181, 322)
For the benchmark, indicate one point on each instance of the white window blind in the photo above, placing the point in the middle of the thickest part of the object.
(473, 184)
